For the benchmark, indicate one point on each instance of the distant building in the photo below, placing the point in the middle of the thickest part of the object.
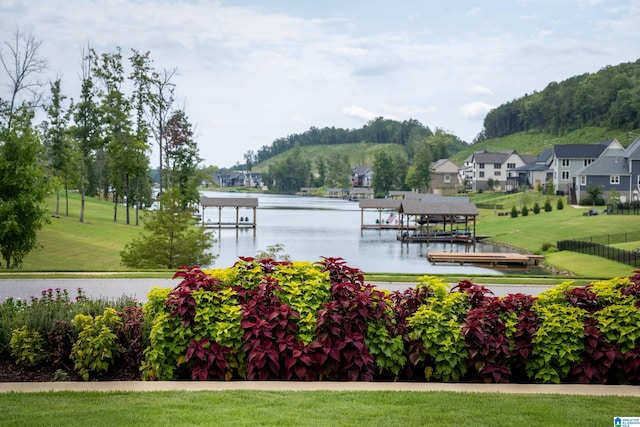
(485, 170)
(444, 177)
(361, 177)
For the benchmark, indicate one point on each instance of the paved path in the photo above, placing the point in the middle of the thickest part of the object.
(149, 386)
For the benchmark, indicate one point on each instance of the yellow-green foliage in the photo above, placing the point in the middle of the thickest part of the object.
(27, 346)
(558, 342)
(437, 325)
(97, 345)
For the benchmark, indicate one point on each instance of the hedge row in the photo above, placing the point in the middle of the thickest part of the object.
(269, 320)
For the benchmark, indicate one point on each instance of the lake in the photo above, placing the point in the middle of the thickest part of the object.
(310, 228)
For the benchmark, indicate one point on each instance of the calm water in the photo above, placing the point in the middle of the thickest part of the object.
(312, 227)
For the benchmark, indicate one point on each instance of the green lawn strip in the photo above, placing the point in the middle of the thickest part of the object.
(317, 408)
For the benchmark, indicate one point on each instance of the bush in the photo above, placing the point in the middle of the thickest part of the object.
(547, 206)
(27, 346)
(514, 212)
(560, 204)
(536, 208)
(525, 211)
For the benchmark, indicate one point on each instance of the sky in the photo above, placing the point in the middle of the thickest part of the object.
(252, 71)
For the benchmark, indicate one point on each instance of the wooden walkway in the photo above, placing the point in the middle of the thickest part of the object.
(492, 258)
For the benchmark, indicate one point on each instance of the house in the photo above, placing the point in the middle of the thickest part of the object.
(533, 175)
(444, 177)
(617, 169)
(491, 170)
(569, 159)
(361, 177)
(239, 179)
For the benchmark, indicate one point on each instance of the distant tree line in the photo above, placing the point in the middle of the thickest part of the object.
(408, 133)
(609, 98)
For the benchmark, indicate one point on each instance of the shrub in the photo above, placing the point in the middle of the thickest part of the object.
(97, 345)
(560, 204)
(514, 212)
(27, 346)
(525, 211)
(547, 206)
(536, 208)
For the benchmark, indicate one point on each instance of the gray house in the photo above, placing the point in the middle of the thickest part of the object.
(569, 159)
(617, 169)
(534, 174)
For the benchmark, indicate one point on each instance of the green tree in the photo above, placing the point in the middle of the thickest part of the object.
(58, 143)
(182, 157)
(87, 129)
(419, 173)
(289, 175)
(383, 173)
(170, 239)
(338, 171)
(22, 187)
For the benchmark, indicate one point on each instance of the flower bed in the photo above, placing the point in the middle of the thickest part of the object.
(269, 320)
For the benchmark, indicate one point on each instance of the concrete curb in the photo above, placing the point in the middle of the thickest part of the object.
(151, 386)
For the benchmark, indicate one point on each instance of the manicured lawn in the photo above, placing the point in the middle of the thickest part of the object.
(318, 408)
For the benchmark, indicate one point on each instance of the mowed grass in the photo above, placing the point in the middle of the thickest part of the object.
(318, 408)
(532, 231)
(65, 244)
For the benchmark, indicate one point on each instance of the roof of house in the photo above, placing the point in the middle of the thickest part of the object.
(444, 165)
(490, 157)
(614, 163)
(580, 151)
(633, 150)
(545, 156)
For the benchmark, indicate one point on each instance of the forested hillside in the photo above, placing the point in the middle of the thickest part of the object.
(408, 133)
(608, 99)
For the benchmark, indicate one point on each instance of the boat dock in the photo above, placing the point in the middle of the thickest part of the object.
(492, 258)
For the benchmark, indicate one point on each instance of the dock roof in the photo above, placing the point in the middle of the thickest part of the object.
(234, 202)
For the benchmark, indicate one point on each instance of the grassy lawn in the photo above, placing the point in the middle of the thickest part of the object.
(318, 408)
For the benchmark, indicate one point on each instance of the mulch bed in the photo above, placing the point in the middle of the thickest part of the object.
(10, 372)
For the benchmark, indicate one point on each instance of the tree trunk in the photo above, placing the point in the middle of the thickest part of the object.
(82, 172)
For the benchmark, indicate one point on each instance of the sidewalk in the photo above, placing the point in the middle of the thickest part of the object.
(149, 386)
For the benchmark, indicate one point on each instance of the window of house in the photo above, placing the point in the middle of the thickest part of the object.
(564, 163)
(638, 179)
(614, 179)
(481, 165)
(511, 165)
(481, 174)
(447, 179)
(497, 165)
(587, 162)
(583, 180)
(496, 173)
(565, 175)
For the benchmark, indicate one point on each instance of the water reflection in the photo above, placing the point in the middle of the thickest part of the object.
(311, 227)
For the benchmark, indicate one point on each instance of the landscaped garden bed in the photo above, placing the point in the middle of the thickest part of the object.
(270, 320)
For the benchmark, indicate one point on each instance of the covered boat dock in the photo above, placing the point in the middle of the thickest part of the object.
(230, 202)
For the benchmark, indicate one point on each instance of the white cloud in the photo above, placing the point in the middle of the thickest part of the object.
(359, 113)
(250, 74)
(475, 110)
(477, 89)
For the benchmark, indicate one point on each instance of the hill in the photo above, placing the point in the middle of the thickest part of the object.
(359, 154)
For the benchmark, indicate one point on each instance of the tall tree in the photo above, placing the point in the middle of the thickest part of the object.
(182, 158)
(86, 131)
(23, 187)
(383, 173)
(162, 98)
(22, 64)
(57, 143)
(419, 173)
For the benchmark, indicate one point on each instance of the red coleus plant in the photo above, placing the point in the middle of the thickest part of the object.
(583, 297)
(599, 359)
(273, 351)
(180, 300)
(208, 360)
